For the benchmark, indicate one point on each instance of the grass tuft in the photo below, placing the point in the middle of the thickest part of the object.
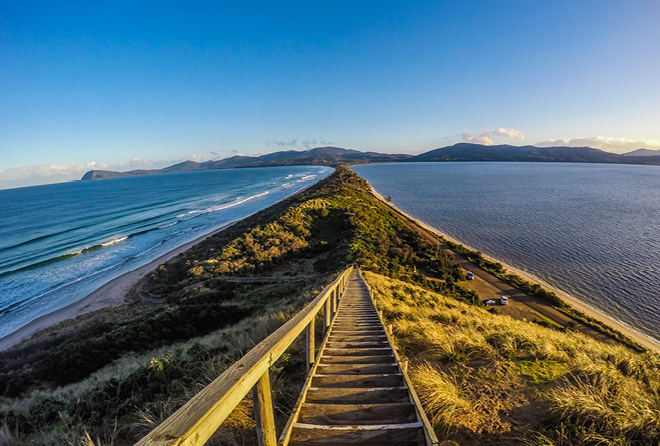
(527, 381)
(441, 396)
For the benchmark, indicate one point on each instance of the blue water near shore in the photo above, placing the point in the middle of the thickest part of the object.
(60, 242)
(590, 230)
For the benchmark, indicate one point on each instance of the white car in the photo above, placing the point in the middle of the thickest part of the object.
(504, 300)
(470, 276)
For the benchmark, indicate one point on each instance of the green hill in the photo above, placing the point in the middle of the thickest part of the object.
(108, 377)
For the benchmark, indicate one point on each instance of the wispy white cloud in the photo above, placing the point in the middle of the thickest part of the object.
(34, 174)
(616, 145)
(47, 170)
(484, 136)
(303, 143)
(290, 143)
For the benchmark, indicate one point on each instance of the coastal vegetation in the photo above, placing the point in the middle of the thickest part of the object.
(109, 377)
(489, 379)
(536, 290)
(103, 373)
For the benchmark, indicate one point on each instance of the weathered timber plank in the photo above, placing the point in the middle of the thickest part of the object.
(357, 369)
(357, 396)
(354, 359)
(373, 351)
(354, 414)
(359, 337)
(321, 443)
(263, 412)
(385, 380)
(387, 433)
(357, 344)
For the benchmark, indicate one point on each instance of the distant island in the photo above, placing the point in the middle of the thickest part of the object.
(333, 156)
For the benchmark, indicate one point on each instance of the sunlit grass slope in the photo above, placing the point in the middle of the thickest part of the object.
(488, 379)
(110, 376)
(116, 373)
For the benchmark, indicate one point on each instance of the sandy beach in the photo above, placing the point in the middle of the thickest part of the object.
(113, 293)
(573, 302)
(108, 295)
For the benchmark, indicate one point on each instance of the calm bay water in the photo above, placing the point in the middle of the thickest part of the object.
(60, 242)
(590, 230)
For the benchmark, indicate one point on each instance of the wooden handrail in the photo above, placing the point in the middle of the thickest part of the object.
(200, 417)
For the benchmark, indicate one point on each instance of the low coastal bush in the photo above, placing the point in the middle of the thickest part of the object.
(335, 223)
(537, 290)
(136, 370)
(92, 348)
(486, 378)
(137, 391)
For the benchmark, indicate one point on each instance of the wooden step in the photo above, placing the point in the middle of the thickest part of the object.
(364, 314)
(398, 394)
(357, 344)
(365, 324)
(356, 320)
(354, 359)
(381, 380)
(316, 443)
(343, 329)
(365, 434)
(358, 369)
(358, 338)
(374, 351)
(368, 327)
(334, 414)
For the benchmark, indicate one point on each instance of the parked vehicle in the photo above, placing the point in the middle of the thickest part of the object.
(504, 300)
(489, 302)
(470, 276)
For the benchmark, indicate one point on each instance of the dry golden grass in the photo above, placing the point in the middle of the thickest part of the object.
(585, 392)
(442, 395)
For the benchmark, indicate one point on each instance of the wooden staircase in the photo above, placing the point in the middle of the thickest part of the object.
(357, 392)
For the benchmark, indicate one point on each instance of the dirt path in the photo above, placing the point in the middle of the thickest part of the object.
(521, 306)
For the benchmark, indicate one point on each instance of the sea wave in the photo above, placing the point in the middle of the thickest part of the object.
(167, 226)
(198, 212)
(20, 304)
(97, 272)
(87, 251)
(66, 256)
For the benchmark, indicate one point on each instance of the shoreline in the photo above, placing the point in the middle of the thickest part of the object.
(570, 300)
(110, 294)
(113, 292)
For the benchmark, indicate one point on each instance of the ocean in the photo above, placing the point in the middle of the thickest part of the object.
(590, 230)
(60, 242)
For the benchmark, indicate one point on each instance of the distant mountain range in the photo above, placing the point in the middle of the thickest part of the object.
(478, 152)
(643, 152)
(330, 156)
(321, 156)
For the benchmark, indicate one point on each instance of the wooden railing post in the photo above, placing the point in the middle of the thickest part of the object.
(333, 295)
(310, 345)
(327, 317)
(263, 411)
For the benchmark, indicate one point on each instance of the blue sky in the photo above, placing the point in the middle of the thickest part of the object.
(124, 85)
